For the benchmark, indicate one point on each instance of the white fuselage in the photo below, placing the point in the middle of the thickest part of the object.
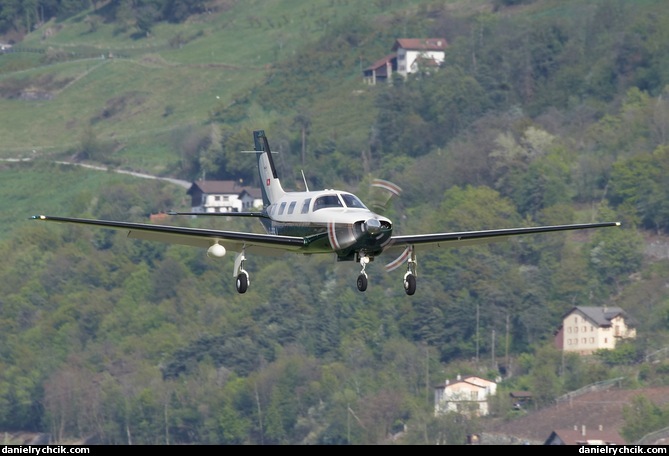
(346, 221)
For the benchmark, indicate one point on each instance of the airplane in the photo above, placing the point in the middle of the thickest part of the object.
(313, 222)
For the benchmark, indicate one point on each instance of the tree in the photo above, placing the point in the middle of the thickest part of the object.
(449, 100)
(623, 354)
(614, 254)
(642, 417)
(641, 183)
(303, 121)
(546, 384)
(146, 16)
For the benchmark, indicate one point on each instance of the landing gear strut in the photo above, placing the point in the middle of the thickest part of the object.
(410, 276)
(242, 282)
(362, 278)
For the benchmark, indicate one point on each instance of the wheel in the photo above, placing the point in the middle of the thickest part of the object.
(362, 282)
(242, 282)
(410, 284)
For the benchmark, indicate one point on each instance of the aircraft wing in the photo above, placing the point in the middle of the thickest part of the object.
(462, 238)
(267, 244)
(404, 245)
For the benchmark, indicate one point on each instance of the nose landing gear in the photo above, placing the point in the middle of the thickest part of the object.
(362, 278)
(409, 280)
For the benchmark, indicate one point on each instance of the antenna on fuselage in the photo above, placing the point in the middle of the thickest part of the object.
(306, 186)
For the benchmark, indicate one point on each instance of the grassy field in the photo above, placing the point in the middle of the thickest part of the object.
(139, 94)
(40, 187)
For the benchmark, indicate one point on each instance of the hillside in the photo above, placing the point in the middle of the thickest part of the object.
(592, 410)
(137, 95)
(544, 112)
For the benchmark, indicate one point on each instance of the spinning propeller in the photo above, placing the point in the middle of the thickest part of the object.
(344, 235)
(341, 236)
(381, 193)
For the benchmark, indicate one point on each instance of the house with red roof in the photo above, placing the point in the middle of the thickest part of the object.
(223, 196)
(584, 436)
(410, 55)
(467, 395)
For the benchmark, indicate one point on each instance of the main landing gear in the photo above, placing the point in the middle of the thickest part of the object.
(410, 276)
(409, 280)
(242, 282)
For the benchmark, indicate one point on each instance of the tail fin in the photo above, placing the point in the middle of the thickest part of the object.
(269, 180)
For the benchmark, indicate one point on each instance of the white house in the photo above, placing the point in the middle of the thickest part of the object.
(223, 196)
(586, 329)
(419, 53)
(409, 56)
(464, 395)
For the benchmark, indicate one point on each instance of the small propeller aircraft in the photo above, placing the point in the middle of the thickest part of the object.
(310, 222)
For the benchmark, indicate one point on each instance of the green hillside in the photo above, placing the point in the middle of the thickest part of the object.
(138, 94)
(544, 112)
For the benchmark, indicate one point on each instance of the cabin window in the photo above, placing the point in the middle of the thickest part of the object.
(305, 206)
(282, 208)
(291, 207)
(327, 201)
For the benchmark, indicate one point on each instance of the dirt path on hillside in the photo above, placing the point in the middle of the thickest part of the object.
(179, 182)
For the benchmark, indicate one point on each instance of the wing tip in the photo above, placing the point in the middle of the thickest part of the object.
(38, 217)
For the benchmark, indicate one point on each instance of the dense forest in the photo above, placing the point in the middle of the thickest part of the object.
(542, 113)
(23, 16)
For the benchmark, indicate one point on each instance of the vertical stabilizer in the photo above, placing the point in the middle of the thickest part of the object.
(269, 180)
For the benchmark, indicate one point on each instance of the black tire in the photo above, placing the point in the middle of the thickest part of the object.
(410, 284)
(362, 282)
(242, 283)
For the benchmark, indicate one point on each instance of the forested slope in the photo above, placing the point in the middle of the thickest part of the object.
(544, 112)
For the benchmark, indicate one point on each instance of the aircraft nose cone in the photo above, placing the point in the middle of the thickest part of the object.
(373, 226)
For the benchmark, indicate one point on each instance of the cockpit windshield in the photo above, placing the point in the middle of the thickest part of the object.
(352, 201)
(338, 200)
(327, 201)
